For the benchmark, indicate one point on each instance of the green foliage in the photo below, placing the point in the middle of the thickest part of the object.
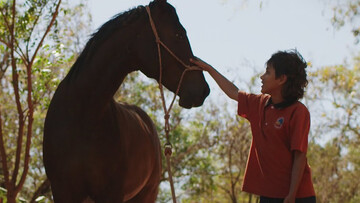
(338, 87)
(347, 11)
(35, 54)
(335, 163)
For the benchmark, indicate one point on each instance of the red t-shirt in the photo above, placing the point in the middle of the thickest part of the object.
(276, 133)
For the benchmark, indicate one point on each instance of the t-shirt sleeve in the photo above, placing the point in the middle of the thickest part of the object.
(243, 104)
(299, 129)
(248, 104)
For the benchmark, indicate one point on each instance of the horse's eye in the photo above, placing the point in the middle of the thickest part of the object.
(179, 36)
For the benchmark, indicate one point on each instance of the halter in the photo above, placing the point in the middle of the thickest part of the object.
(168, 147)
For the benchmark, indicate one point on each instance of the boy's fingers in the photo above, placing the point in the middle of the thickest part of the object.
(194, 61)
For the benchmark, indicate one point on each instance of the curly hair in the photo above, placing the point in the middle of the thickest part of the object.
(293, 65)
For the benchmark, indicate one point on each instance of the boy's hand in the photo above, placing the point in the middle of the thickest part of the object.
(289, 199)
(201, 64)
(228, 87)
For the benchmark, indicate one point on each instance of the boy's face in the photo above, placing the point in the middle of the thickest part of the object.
(270, 84)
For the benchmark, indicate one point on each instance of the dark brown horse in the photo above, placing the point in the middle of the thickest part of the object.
(97, 148)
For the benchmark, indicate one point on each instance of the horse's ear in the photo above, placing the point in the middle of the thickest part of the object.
(160, 1)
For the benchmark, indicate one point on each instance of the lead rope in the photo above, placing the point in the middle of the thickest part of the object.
(168, 146)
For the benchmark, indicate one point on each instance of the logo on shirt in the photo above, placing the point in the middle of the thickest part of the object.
(279, 122)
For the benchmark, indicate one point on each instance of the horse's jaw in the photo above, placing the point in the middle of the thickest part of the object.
(188, 102)
(186, 105)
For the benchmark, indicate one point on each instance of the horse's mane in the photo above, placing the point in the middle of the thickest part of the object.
(116, 22)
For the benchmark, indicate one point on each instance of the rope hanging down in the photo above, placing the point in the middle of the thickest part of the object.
(168, 146)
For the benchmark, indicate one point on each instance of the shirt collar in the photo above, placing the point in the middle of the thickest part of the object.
(281, 105)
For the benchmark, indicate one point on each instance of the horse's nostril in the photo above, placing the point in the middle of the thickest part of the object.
(206, 92)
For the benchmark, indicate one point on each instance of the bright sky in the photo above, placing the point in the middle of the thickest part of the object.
(232, 35)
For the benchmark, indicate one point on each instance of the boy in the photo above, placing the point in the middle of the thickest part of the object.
(277, 168)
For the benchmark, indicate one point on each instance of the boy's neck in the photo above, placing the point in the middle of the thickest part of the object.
(277, 99)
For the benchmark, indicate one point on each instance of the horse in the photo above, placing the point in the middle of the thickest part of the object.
(96, 148)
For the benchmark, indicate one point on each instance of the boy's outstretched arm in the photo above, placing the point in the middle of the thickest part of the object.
(227, 87)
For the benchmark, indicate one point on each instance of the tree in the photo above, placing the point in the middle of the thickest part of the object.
(234, 145)
(220, 178)
(227, 158)
(33, 53)
(18, 38)
(347, 12)
(334, 89)
(335, 97)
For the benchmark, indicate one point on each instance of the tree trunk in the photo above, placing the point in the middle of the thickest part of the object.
(233, 199)
(11, 196)
(250, 198)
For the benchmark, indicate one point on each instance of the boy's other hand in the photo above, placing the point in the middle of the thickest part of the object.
(201, 64)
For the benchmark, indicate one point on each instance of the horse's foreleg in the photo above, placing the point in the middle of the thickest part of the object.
(147, 195)
(67, 194)
(149, 192)
(88, 200)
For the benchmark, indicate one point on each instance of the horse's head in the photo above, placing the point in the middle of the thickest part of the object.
(193, 89)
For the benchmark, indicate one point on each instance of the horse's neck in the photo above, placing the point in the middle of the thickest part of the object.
(103, 70)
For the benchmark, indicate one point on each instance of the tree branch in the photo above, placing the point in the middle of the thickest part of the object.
(4, 63)
(4, 42)
(3, 153)
(31, 31)
(225, 189)
(229, 152)
(46, 32)
(43, 189)
(30, 103)
(22, 55)
(15, 83)
(6, 21)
